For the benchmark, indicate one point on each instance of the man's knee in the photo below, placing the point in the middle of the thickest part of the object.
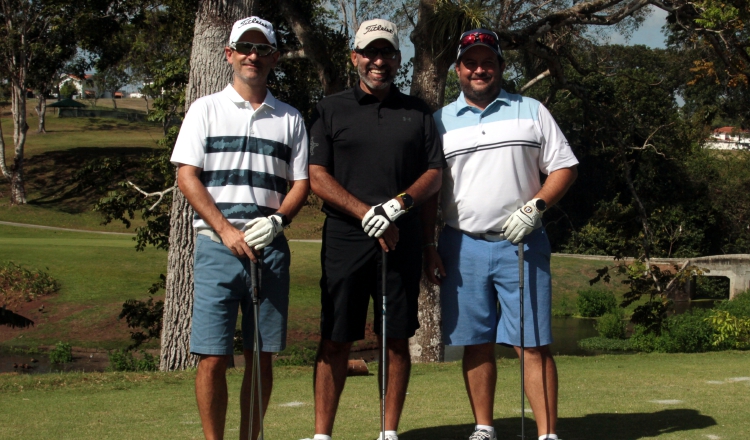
(542, 353)
(330, 350)
(210, 364)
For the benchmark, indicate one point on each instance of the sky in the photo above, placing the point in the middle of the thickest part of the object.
(649, 34)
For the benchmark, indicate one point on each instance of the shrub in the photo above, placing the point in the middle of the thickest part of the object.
(61, 354)
(605, 344)
(296, 356)
(123, 360)
(729, 331)
(20, 284)
(643, 339)
(687, 333)
(738, 307)
(595, 302)
(611, 325)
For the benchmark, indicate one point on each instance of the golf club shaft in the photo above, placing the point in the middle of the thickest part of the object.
(520, 290)
(384, 355)
(255, 279)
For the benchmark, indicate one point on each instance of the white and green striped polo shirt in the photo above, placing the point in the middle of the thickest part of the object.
(247, 156)
(494, 159)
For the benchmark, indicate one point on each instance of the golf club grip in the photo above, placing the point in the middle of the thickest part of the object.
(254, 279)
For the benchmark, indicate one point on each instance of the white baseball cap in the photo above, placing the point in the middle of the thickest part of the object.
(252, 24)
(377, 29)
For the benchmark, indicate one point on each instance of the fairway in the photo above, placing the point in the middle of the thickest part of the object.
(624, 397)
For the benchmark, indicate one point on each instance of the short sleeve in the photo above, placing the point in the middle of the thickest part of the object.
(298, 163)
(556, 151)
(321, 145)
(190, 147)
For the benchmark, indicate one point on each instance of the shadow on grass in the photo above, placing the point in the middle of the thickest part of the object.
(52, 178)
(632, 426)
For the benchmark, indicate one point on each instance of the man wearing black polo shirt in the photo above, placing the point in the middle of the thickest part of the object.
(375, 155)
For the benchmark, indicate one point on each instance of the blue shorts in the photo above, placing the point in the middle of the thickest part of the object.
(479, 295)
(221, 289)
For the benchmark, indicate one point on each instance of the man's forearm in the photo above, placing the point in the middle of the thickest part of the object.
(327, 188)
(197, 195)
(295, 198)
(427, 185)
(557, 184)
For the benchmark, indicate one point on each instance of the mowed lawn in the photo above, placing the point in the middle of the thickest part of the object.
(623, 397)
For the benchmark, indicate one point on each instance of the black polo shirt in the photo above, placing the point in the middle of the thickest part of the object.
(374, 149)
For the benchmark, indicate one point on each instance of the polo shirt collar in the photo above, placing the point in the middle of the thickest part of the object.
(360, 94)
(235, 97)
(462, 106)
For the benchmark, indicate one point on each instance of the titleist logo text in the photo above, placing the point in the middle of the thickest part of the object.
(377, 27)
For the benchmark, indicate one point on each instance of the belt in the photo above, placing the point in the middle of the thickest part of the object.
(487, 236)
(210, 234)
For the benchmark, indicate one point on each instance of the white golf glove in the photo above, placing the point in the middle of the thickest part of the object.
(260, 232)
(379, 217)
(522, 222)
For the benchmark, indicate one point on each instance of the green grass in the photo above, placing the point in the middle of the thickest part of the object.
(612, 397)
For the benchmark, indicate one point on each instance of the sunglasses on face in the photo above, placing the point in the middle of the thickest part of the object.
(246, 48)
(479, 37)
(388, 53)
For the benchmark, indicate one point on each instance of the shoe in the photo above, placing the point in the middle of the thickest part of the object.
(482, 434)
(387, 437)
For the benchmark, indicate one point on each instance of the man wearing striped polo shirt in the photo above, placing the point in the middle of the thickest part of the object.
(496, 144)
(237, 152)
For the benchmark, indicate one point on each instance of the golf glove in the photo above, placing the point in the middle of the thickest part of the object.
(379, 217)
(522, 222)
(260, 232)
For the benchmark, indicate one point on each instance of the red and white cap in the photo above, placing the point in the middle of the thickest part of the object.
(252, 24)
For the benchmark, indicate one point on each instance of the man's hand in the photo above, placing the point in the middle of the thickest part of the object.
(233, 239)
(522, 222)
(433, 265)
(377, 219)
(390, 238)
(260, 232)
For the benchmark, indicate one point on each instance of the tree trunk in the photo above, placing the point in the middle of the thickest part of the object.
(209, 73)
(114, 102)
(428, 82)
(41, 110)
(20, 127)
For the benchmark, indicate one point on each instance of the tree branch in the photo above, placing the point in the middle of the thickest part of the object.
(161, 194)
(531, 83)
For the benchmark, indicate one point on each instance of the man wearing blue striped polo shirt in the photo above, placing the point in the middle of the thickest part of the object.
(237, 152)
(496, 144)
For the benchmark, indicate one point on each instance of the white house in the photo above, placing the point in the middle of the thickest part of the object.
(729, 138)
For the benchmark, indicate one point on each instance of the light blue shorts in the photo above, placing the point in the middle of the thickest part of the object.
(222, 288)
(479, 295)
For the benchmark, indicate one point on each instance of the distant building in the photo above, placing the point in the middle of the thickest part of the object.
(729, 138)
(82, 85)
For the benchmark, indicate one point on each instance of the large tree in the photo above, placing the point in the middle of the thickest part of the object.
(209, 73)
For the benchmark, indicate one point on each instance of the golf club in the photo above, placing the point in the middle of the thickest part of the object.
(520, 289)
(383, 356)
(256, 373)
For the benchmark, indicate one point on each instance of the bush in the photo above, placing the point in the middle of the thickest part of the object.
(643, 339)
(738, 307)
(123, 360)
(729, 331)
(20, 284)
(605, 344)
(687, 333)
(611, 325)
(297, 357)
(61, 354)
(595, 302)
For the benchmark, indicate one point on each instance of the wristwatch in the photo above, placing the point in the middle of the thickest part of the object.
(408, 201)
(541, 205)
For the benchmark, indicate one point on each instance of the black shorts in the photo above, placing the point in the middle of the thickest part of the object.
(352, 262)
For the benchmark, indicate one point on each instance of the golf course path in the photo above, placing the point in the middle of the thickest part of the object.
(53, 228)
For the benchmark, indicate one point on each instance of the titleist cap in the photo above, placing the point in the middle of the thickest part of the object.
(252, 24)
(377, 29)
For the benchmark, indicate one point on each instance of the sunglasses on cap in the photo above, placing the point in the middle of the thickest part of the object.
(246, 48)
(388, 53)
(478, 37)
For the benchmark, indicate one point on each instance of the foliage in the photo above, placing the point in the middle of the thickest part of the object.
(62, 353)
(729, 331)
(146, 316)
(688, 332)
(68, 90)
(595, 302)
(111, 80)
(739, 306)
(711, 287)
(123, 360)
(297, 356)
(599, 343)
(611, 325)
(18, 283)
(643, 339)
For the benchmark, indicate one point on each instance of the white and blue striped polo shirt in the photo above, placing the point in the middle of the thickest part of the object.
(494, 158)
(247, 156)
